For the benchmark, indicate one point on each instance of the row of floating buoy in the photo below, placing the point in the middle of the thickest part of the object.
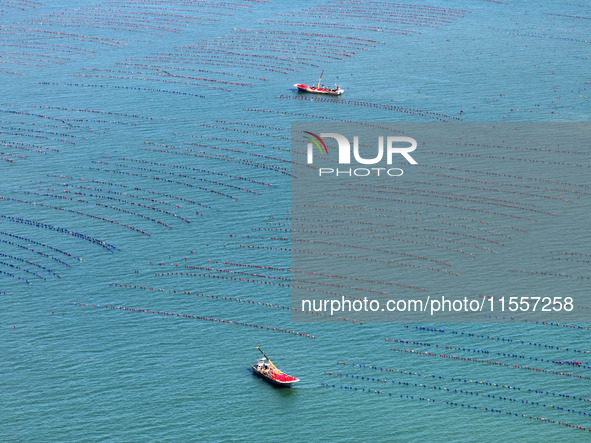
(315, 116)
(352, 223)
(484, 351)
(22, 6)
(20, 268)
(29, 262)
(41, 225)
(167, 67)
(243, 160)
(338, 38)
(39, 133)
(564, 325)
(229, 73)
(120, 185)
(144, 79)
(498, 189)
(4, 71)
(310, 53)
(15, 30)
(547, 36)
(460, 391)
(169, 173)
(77, 198)
(63, 121)
(268, 277)
(449, 232)
(378, 212)
(96, 217)
(18, 277)
(240, 300)
(253, 125)
(79, 110)
(550, 274)
(303, 55)
(290, 271)
(246, 131)
(133, 174)
(383, 212)
(359, 17)
(320, 274)
(493, 362)
(236, 142)
(383, 251)
(449, 196)
(391, 236)
(574, 260)
(522, 148)
(571, 253)
(170, 165)
(497, 157)
(381, 10)
(420, 112)
(305, 43)
(497, 186)
(220, 60)
(43, 254)
(9, 160)
(517, 178)
(108, 191)
(566, 15)
(285, 62)
(210, 80)
(326, 25)
(126, 18)
(164, 71)
(22, 132)
(501, 339)
(249, 280)
(188, 152)
(198, 317)
(216, 297)
(465, 209)
(299, 251)
(463, 405)
(464, 380)
(135, 88)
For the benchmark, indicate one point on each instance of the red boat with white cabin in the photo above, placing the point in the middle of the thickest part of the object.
(320, 90)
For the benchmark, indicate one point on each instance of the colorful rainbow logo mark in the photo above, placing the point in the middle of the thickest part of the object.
(316, 142)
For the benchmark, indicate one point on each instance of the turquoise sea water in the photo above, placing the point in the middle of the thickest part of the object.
(126, 122)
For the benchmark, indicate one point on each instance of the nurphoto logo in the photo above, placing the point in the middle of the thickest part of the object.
(394, 145)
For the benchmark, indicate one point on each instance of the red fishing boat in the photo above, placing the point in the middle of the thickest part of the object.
(320, 90)
(269, 372)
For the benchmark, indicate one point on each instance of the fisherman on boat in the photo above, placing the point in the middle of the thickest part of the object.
(265, 368)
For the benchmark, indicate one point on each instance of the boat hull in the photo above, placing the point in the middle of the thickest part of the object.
(283, 384)
(315, 90)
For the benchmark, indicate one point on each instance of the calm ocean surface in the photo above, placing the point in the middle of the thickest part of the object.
(162, 130)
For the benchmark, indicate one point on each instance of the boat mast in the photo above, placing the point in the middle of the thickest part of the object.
(267, 358)
(318, 87)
